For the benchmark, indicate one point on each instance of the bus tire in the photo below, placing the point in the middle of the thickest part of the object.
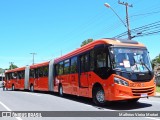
(31, 88)
(13, 87)
(99, 96)
(135, 100)
(60, 90)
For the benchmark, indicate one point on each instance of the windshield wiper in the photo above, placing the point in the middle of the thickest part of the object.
(146, 66)
(120, 70)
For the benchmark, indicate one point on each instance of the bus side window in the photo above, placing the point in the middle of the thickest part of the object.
(73, 68)
(45, 72)
(19, 75)
(66, 66)
(84, 63)
(57, 69)
(61, 68)
(101, 59)
(14, 75)
(32, 75)
(91, 60)
(36, 72)
(40, 71)
(7, 76)
(22, 74)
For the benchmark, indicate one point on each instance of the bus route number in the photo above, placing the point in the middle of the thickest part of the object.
(137, 85)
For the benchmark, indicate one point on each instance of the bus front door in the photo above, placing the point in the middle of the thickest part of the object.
(84, 71)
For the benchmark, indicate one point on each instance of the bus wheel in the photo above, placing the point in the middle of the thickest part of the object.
(31, 88)
(13, 88)
(98, 96)
(60, 90)
(133, 100)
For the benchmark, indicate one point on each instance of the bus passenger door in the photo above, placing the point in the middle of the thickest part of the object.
(84, 64)
(36, 79)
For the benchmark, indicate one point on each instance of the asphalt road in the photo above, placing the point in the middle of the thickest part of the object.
(41, 101)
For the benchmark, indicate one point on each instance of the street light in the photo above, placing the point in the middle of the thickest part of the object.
(127, 26)
(108, 6)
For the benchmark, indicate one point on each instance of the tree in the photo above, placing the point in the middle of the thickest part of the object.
(86, 42)
(1, 70)
(156, 61)
(12, 66)
(153, 62)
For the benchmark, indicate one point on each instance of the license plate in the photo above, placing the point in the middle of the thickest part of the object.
(144, 95)
(137, 85)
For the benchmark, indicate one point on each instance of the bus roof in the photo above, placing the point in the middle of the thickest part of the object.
(109, 41)
(39, 65)
(15, 70)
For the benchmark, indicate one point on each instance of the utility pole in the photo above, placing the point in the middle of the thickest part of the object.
(127, 19)
(33, 56)
(11, 64)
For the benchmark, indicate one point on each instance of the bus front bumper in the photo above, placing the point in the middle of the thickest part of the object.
(120, 92)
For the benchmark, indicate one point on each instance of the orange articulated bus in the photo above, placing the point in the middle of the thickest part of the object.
(104, 70)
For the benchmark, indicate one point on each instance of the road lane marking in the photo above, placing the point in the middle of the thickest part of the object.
(8, 109)
(34, 94)
(29, 93)
(152, 118)
(5, 106)
(149, 101)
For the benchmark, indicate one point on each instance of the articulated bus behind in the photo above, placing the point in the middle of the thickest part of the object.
(34, 77)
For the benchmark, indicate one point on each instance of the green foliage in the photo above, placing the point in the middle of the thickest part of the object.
(158, 89)
(12, 66)
(156, 61)
(86, 42)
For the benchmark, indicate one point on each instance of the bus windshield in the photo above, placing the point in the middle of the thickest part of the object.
(130, 59)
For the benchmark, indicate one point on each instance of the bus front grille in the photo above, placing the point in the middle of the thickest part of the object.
(139, 91)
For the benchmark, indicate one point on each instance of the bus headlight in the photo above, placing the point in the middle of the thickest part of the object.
(120, 81)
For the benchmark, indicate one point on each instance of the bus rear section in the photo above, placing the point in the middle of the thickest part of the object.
(15, 78)
(106, 70)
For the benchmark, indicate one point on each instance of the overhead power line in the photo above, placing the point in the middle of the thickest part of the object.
(145, 30)
(149, 13)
